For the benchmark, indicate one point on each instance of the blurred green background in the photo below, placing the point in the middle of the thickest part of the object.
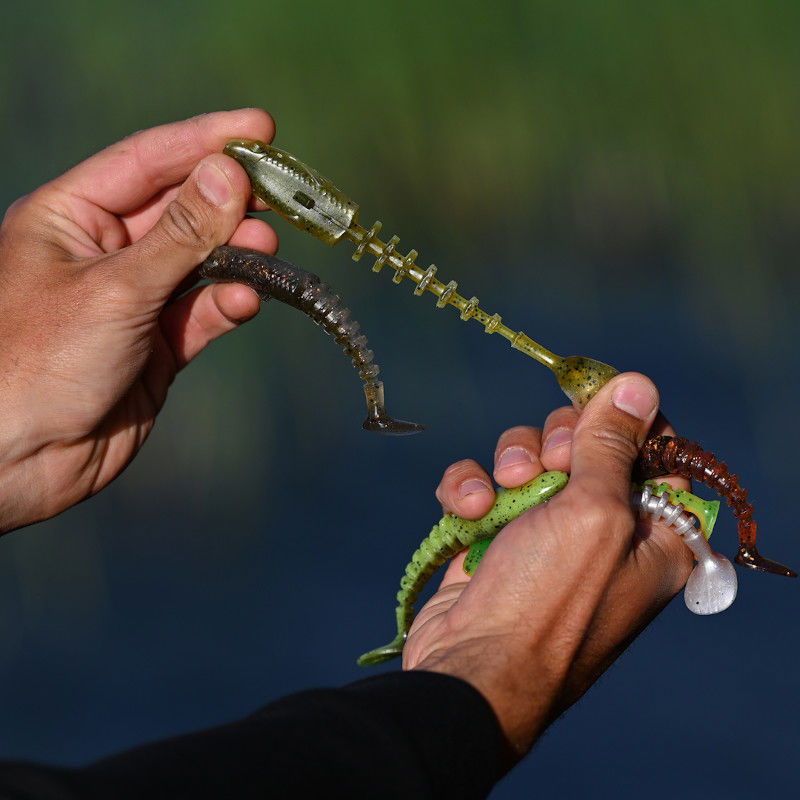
(618, 179)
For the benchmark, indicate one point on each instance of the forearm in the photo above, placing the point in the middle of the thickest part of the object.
(405, 735)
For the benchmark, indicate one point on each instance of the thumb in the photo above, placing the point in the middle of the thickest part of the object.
(610, 432)
(204, 214)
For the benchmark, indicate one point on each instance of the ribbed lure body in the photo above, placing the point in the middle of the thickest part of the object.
(712, 586)
(663, 455)
(450, 536)
(271, 277)
(690, 507)
(453, 534)
(313, 203)
(706, 511)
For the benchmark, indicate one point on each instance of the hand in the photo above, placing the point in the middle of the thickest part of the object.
(565, 587)
(93, 329)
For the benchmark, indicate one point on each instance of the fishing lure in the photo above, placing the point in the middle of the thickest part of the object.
(313, 203)
(271, 277)
(711, 587)
(676, 455)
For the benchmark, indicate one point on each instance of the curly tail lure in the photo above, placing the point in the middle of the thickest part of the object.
(711, 587)
(313, 203)
(678, 456)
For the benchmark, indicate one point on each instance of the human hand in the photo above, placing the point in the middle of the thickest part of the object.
(565, 587)
(93, 329)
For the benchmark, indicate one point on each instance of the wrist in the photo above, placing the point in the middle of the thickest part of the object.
(504, 678)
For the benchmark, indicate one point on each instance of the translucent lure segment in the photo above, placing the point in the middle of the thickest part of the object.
(298, 193)
(313, 203)
(271, 277)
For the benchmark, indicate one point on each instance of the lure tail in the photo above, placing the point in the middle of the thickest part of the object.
(271, 277)
(385, 653)
(379, 420)
(678, 456)
(450, 536)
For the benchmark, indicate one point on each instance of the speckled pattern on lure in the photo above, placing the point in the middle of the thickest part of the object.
(313, 203)
(450, 536)
(453, 534)
(271, 277)
(705, 511)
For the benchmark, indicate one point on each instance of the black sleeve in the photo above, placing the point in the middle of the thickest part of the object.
(410, 735)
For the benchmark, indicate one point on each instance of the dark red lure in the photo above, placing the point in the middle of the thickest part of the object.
(675, 455)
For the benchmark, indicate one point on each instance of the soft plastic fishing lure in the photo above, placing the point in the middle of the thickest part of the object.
(272, 277)
(678, 456)
(711, 587)
(313, 203)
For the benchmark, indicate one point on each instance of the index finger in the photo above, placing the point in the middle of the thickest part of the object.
(127, 174)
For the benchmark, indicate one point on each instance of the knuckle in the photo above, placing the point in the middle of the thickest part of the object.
(521, 434)
(605, 518)
(185, 227)
(457, 470)
(520, 431)
(21, 215)
(562, 411)
(14, 210)
(105, 289)
(614, 442)
(452, 477)
(610, 521)
(561, 417)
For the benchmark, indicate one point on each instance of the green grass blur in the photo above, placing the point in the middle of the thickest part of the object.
(602, 129)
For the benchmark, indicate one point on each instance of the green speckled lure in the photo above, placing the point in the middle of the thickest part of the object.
(450, 536)
(311, 202)
(453, 534)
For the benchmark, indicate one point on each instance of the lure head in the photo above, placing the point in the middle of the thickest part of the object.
(295, 191)
(582, 377)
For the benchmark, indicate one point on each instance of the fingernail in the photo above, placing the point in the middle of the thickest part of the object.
(473, 486)
(635, 397)
(512, 456)
(557, 438)
(214, 185)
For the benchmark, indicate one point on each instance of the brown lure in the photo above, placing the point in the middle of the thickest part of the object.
(675, 455)
(271, 277)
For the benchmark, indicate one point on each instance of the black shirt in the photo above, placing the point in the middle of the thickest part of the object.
(410, 735)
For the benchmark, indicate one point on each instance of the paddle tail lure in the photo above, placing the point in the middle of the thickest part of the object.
(271, 277)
